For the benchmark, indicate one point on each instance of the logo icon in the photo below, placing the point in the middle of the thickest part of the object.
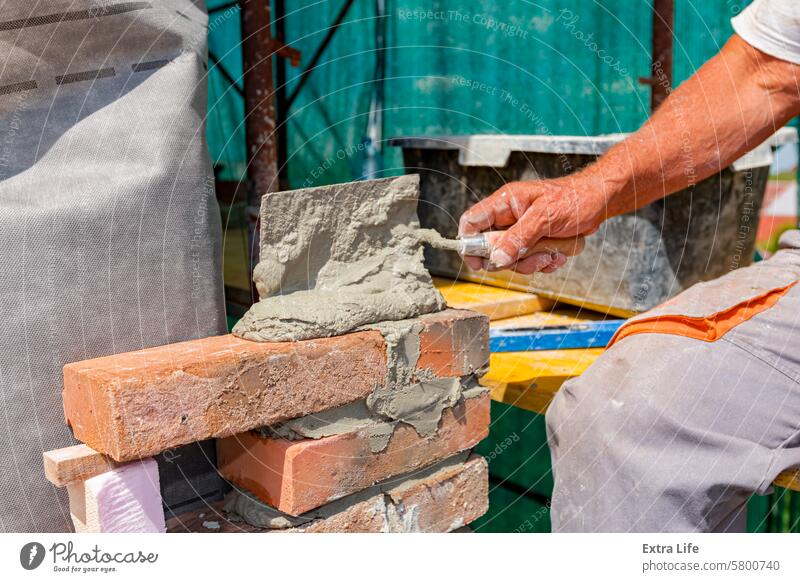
(31, 555)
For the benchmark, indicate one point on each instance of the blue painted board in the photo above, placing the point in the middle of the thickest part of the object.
(592, 334)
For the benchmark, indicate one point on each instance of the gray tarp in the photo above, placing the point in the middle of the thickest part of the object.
(109, 228)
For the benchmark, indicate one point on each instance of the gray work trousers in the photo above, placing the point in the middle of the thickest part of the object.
(669, 433)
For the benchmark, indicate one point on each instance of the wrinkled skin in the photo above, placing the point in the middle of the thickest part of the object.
(732, 104)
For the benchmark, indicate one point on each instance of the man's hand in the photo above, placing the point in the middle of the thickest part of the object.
(532, 211)
(732, 104)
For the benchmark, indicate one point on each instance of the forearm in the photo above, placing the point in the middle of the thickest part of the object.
(734, 102)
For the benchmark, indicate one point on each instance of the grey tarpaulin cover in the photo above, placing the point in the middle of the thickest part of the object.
(109, 228)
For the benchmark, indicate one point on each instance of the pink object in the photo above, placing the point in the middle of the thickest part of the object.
(126, 499)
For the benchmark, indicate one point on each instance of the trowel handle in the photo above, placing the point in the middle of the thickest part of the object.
(479, 245)
(475, 245)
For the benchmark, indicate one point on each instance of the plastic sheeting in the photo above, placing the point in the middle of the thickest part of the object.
(109, 227)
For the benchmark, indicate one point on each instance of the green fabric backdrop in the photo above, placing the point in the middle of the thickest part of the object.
(453, 68)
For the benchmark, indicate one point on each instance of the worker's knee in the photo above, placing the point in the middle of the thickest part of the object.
(614, 405)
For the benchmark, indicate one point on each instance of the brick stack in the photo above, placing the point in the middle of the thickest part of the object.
(132, 406)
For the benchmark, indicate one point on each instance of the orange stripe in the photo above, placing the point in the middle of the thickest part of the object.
(709, 328)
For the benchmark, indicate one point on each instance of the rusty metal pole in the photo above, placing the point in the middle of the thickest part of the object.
(259, 107)
(663, 21)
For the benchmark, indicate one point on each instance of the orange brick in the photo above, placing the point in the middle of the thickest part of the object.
(138, 404)
(454, 343)
(297, 476)
(446, 500)
(440, 499)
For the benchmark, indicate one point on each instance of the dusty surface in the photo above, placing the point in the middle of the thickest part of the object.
(440, 498)
(338, 257)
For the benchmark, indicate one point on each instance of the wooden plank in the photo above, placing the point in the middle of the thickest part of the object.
(564, 315)
(790, 479)
(76, 463)
(495, 302)
(589, 334)
(515, 281)
(529, 380)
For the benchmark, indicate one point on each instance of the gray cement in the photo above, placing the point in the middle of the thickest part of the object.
(349, 257)
(357, 416)
(338, 257)
(246, 507)
(432, 238)
(349, 418)
(407, 394)
(415, 397)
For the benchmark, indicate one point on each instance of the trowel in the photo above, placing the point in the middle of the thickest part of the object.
(480, 245)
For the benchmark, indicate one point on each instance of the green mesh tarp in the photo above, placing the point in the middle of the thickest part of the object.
(476, 66)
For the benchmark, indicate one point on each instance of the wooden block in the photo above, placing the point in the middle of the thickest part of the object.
(789, 479)
(125, 499)
(297, 476)
(494, 302)
(76, 463)
(440, 499)
(529, 380)
(138, 404)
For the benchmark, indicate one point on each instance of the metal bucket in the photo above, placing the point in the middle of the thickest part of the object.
(633, 262)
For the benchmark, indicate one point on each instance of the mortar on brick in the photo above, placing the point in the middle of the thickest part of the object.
(416, 397)
(335, 258)
(240, 504)
(354, 417)
(408, 394)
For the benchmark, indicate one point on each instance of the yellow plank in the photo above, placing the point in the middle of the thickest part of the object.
(514, 281)
(494, 302)
(564, 315)
(790, 479)
(235, 270)
(529, 380)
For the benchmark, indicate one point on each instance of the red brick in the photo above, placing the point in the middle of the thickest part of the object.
(443, 499)
(138, 404)
(454, 343)
(297, 476)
